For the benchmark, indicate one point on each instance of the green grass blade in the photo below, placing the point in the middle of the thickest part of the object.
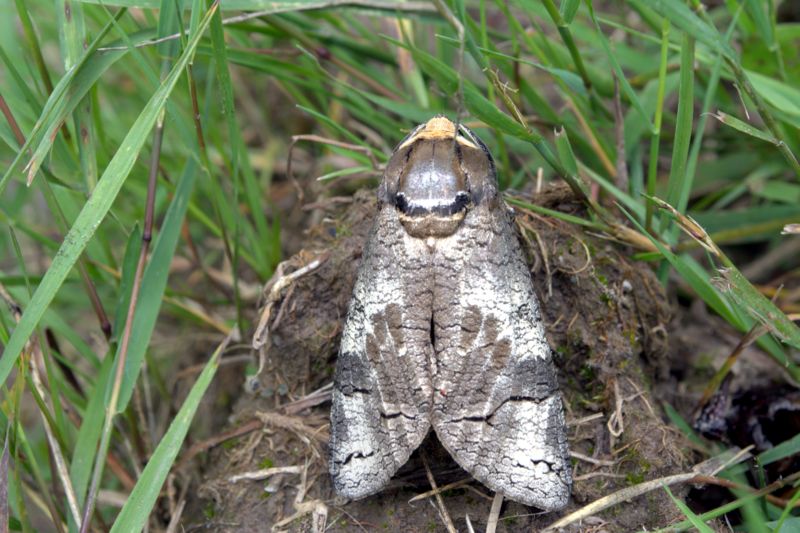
(154, 282)
(72, 31)
(566, 217)
(95, 208)
(759, 307)
(783, 450)
(280, 6)
(89, 434)
(565, 153)
(136, 511)
(700, 283)
(129, 261)
(679, 422)
(696, 521)
(792, 522)
(655, 136)
(623, 81)
(683, 17)
(679, 181)
(781, 95)
(758, 11)
(744, 127)
(568, 9)
(697, 142)
(67, 94)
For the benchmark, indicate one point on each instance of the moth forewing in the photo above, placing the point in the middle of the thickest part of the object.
(382, 394)
(497, 409)
(444, 329)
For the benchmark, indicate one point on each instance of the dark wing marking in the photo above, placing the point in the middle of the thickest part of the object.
(382, 393)
(497, 408)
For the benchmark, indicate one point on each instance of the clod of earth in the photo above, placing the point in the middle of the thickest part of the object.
(606, 319)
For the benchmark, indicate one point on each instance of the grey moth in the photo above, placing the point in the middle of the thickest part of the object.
(443, 331)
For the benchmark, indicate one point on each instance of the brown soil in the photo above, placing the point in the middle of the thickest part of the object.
(607, 320)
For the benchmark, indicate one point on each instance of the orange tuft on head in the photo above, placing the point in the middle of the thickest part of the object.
(436, 129)
(439, 127)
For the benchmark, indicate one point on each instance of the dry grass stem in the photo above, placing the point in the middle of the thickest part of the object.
(448, 523)
(494, 513)
(706, 468)
(175, 520)
(264, 473)
(439, 490)
(585, 419)
(586, 458)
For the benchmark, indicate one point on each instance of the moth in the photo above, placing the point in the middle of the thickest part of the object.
(443, 330)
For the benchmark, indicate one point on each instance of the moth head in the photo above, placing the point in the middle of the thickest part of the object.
(436, 175)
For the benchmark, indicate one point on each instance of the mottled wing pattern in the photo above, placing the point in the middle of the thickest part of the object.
(382, 393)
(497, 408)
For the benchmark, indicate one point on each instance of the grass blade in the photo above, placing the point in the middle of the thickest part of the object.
(65, 97)
(681, 16)
(759, 307)
(154, 282)
(96, 207)
(696, 521)
(781, 95)
(568, 9)
(744, 127)
(623, 81)
(679, 181)
(136, 511)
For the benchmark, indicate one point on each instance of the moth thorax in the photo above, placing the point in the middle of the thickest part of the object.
(432, 197)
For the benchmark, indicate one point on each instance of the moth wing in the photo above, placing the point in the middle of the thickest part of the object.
(497, 408)
(382, 387)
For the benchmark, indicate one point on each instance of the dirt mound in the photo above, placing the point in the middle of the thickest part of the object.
(606, 320)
